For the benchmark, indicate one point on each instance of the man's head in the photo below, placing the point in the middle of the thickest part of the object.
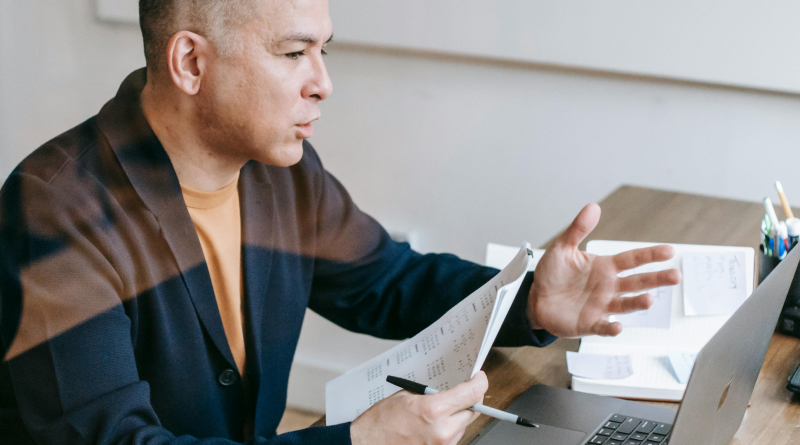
(215, 19)
(246, 75)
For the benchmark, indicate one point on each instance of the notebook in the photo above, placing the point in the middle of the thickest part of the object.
(649, 347)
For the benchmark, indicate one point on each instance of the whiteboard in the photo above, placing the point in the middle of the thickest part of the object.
(750, 44)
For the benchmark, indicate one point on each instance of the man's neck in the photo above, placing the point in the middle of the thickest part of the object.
(196, 163)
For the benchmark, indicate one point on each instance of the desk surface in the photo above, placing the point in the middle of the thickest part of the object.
(638, 214)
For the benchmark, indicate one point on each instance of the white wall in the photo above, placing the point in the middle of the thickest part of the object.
(731, 42)
(462, 151)
(60, 65)
(469, 152)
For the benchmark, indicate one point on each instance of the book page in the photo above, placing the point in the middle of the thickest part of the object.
(599, 366)
(650, 347)
(687, 333)
(446, 353)
(651, 366)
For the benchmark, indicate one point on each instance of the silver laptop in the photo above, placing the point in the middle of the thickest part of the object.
(713, 405)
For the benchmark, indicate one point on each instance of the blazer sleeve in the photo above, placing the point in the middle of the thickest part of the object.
(368, 283)
(71, 359)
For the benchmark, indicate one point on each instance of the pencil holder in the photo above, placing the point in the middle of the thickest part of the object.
(789, 322)
(765, 265)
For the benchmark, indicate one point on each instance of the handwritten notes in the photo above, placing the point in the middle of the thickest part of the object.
(682, 363)
(658, 316)
(599, 366)
(714, 283)
(446, 353)
(660, 313)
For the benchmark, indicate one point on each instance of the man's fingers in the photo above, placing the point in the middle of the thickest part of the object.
(581, 226)
(459, 422)
(637, 257)
(626, 305)
(463, 428)
(606, 329)
(651, 280)
(459, 398)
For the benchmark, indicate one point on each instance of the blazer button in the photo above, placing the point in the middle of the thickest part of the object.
(228, 377)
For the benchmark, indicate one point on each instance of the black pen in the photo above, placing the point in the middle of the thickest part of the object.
(419, 388)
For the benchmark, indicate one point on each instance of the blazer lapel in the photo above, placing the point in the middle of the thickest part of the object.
(150, 171)
(258, 232)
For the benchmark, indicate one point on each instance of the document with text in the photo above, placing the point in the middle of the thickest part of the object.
(446, 353)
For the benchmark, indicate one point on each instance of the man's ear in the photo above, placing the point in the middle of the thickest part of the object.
(187, 56)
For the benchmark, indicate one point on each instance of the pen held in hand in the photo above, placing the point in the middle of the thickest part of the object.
(418, 388)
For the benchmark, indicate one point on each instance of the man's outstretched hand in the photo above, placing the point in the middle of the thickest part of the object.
(573, 292)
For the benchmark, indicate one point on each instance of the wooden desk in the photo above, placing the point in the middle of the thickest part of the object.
(638, 214)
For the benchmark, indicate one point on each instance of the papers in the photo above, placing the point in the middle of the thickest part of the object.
(446, 353)
(682, 363)
(658, 316)
(498, 256)
(649, 347)
(599, 366)
(660, 313)
(713, 283)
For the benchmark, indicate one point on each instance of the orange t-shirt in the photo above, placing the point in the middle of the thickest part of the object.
(218, 222)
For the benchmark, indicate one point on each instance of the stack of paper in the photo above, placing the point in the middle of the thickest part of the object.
(717, 280)
(448, 352)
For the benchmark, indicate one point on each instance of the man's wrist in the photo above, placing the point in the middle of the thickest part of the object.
(530, 311)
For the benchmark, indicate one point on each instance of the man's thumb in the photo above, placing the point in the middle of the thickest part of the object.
(462, 396)
(581, 226)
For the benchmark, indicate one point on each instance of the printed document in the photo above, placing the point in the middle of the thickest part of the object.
(446, 353)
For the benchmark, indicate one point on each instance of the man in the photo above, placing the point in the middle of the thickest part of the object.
(157, 260)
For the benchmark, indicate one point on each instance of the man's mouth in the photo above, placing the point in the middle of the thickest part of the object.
(306, 130)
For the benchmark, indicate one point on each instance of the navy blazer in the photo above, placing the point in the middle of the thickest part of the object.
(109, 317)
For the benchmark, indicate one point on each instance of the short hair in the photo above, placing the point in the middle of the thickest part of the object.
(213, 19)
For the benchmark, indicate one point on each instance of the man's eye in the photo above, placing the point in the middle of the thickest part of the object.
(324, 53)
(295, 55)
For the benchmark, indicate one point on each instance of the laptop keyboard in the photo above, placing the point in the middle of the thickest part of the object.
(624, 430)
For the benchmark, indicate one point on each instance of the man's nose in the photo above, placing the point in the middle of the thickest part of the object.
(320, 86)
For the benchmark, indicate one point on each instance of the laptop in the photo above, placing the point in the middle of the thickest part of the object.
(713, 405)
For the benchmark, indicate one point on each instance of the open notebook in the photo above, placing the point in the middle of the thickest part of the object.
(649, 347)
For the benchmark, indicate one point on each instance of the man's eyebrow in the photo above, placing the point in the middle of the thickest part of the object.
(302, 37)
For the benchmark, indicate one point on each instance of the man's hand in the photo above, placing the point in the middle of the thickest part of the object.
(573, 292)
(435, 419)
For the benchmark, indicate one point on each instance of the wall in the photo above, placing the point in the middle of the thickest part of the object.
(461, 150)
(60, 65)
(730, 42)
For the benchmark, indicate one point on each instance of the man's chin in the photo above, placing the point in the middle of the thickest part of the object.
(285, 156)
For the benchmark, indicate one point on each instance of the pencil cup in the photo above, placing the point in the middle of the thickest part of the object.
(766, 263)
(789, 322)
